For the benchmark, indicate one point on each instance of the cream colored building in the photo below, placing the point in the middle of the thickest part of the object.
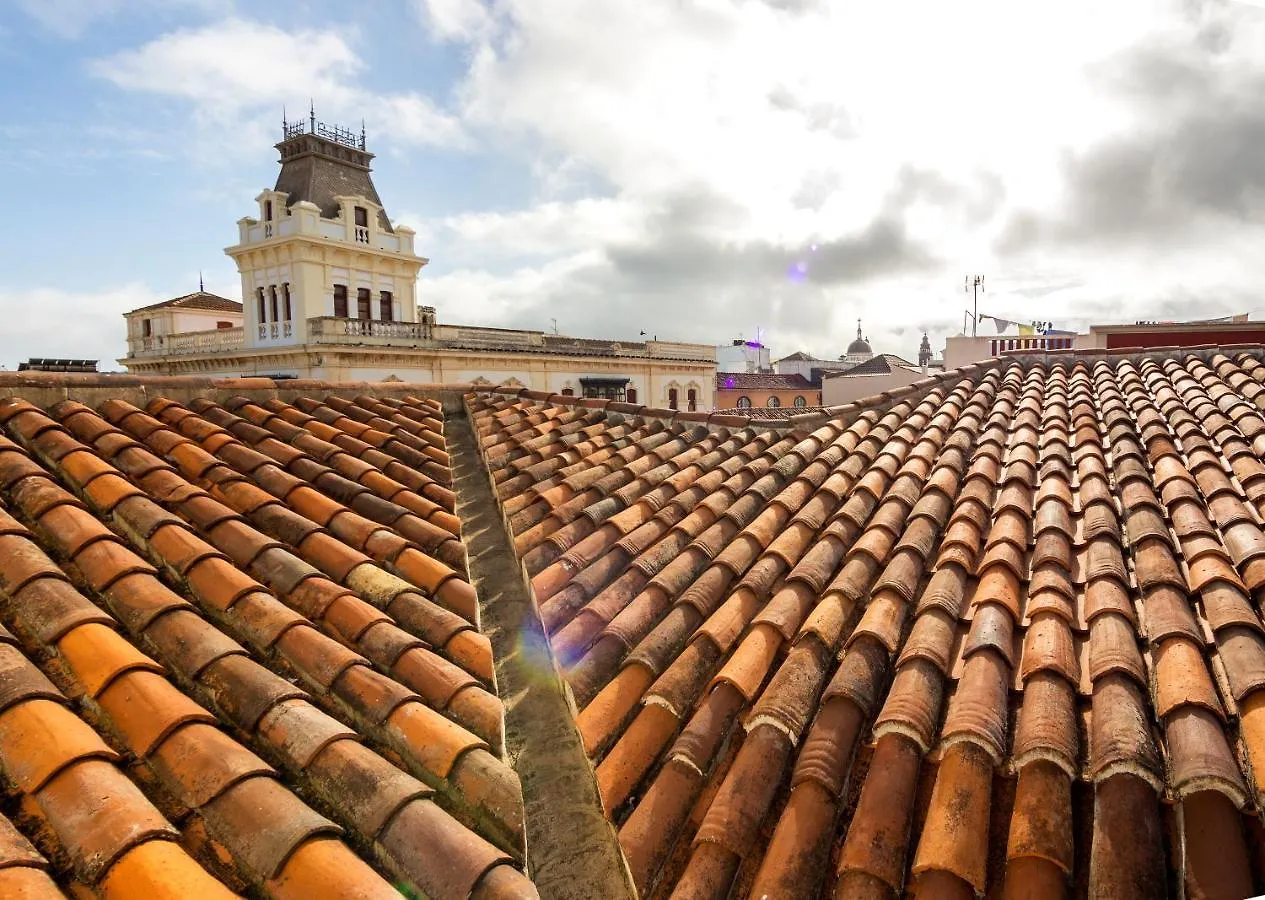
(880, 373)
(329, 292)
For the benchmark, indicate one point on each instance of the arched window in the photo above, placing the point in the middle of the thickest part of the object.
(744, 402)
(285, 292)
(800, 402)
(263, 305)
(673, 402)
(691, 399)
(631, 395)
(772, 402)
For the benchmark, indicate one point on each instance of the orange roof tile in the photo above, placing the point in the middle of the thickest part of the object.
(998, 632)
(964, 638)
(287, 699)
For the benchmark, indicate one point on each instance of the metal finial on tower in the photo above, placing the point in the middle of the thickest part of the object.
(201, 286)
(312, 114)
(362, 134)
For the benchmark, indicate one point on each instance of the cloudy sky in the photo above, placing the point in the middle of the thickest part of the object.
(698, 169)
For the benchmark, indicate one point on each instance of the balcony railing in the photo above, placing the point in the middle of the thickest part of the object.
(188, 342)
(330, 330)
(275, 331)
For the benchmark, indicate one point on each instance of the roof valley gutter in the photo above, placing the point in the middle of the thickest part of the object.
(572, 850)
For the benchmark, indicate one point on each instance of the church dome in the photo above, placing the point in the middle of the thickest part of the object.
(859, 351)
(858, 347)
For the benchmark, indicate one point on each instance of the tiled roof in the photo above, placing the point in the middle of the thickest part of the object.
(878, 365)
(996, 631)
(750, 381)
(772, 414)
(239, 653)
(196, 300)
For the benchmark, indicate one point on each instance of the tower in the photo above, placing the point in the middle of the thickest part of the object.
(924, 352)
(322, 260)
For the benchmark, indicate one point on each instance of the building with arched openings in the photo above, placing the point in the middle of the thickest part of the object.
(329, 285)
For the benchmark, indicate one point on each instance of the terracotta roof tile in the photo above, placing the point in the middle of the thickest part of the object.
(970, 634)
(161, 666)
(999, 575)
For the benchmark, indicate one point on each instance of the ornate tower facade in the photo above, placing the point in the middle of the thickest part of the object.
(321, 258)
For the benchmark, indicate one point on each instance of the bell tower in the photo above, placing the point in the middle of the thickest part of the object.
(321, 259)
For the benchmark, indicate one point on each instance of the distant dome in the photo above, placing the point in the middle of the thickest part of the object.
(859, 351)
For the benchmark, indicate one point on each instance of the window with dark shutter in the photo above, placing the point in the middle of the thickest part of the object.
(263, 305)
(364, 304)
(340, 301)
(272, 292)
(285, 291)
(386, 307)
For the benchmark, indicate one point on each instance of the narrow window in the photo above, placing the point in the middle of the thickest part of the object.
(362, 217)
(772, 402)
(340, 301)
(744, 402)
(800, 402)
(263, 306)
(267, 210)
(285, 290)
(632, 395)
(147, 328)
(691, 400)
(386, 307)
(364, 304)
(272, 296)
(672, 399)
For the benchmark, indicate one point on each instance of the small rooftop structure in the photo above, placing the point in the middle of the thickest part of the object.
(42, 364)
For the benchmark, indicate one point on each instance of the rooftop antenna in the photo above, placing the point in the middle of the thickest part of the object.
(312, 114)
(555, 325)
(974, 286)
(362, 134)
(201, 287)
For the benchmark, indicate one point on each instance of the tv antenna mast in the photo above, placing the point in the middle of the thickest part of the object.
(974, 286)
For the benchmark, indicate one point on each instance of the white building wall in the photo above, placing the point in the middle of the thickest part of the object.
(742, 358)
(846, 388)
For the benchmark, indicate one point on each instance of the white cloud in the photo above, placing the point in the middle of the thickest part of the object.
(47, 322)
(238, 75)
(810, 125)
(456, 20)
